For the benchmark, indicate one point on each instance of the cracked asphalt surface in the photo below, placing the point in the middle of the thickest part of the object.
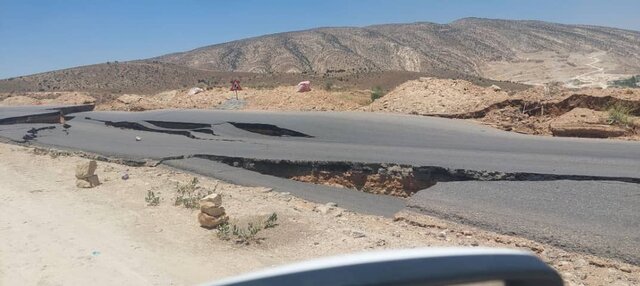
(595, 216)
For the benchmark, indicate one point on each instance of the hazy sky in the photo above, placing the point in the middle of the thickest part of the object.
(38, 36)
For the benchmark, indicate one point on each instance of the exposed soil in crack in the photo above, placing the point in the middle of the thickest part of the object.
(385, 178)
(555, 108)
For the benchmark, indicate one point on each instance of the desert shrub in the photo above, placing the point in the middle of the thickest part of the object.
(248, 234)
(376, 93)
(189, 194)
(152, 199)
(620, 114)
(271, 221)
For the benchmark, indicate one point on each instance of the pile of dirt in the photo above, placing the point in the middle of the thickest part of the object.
(20, 100)
(429, 96)
(43, 98)
(283, 98)
(287, 99)
(169, 99)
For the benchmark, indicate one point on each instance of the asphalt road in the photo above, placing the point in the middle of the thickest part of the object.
(599, 217)
(558, 212)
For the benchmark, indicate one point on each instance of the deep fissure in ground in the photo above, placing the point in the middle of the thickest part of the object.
(385, 178)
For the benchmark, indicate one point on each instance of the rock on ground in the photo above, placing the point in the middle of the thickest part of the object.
(86, 169)
(88, 182)
(208, 221)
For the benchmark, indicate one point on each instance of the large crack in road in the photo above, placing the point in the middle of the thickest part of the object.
(384, 178)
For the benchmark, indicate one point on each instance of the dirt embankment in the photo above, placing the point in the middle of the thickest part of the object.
(279, 98)
(438, 96)
(533, 111)
(45, 98)
(56, 233)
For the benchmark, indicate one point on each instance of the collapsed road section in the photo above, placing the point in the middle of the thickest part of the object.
(385, 178)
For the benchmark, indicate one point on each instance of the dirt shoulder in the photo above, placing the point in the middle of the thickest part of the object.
(54, 233)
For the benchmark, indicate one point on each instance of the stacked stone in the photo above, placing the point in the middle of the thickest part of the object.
(212, 214)
(85, 175)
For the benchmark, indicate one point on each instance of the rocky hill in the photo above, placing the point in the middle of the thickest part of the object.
(471, 45)
(530, 52)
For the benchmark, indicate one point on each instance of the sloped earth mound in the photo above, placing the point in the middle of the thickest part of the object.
(427, 96)
(45, 98)
(287, 99)
(283, 98)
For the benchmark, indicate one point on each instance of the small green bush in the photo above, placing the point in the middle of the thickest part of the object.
(620, 114)
(189, 195)
(227, 231)
(152, 199)
(376, 93)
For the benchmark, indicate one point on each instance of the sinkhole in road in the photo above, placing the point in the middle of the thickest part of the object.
(384, 178)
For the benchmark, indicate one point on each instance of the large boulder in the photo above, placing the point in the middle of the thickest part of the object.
(86, 169)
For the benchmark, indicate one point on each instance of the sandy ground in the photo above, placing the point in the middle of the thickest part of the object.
(56, 234)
